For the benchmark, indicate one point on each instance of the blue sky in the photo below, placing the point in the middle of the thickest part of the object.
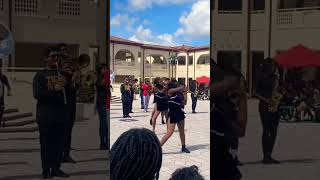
(164, 22)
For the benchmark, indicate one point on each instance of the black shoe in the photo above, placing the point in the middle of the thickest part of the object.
(270, 161)
(46, 174)
(131, 112)
(184, 149)
(194, 112)
(59, 173)
(128, 116)
(68, 160)
(124, 116)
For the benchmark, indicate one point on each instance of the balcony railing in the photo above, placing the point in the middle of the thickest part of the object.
(124, 63)
(156, 66)
(298, 17)
(203, 66)
(229, 12)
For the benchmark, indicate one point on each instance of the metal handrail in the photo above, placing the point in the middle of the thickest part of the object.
(229, 12)
(24, 68)
(299, 9)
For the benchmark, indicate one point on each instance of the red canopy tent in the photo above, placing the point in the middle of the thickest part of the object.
(298, 56)
(203, 79)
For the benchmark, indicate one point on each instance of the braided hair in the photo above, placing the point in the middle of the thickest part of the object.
(187, 173)
(137, 154)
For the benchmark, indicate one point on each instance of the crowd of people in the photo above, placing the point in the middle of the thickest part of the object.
(302, 95)
(55, 89)
(170, 98)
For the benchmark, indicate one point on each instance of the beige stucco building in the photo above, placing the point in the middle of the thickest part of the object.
(276, 25)
(127, 56)
(37, 24)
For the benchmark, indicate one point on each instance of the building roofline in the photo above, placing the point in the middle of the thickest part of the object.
(183, 48)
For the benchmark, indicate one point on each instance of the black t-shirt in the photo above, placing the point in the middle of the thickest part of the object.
(265, 86)
(43, 88)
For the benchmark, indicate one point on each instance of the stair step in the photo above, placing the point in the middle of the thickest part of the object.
(13, 110)
(20, 122)
(29, 128)
(17, 116)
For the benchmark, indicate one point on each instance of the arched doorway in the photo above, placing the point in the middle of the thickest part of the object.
(124, 58)
(155, 61)
(204, 59)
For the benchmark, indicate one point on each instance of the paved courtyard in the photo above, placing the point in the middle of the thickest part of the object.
(20, 155)
(297, 147)
(197, 136)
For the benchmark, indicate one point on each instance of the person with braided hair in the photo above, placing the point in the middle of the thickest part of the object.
(137, 154)
(187, 173)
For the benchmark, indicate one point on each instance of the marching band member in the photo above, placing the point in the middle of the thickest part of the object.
(48, 88)
(126, 97)
(194, 91)
(270, 120)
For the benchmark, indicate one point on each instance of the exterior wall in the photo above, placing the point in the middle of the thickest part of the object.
(200, 69)
(157, 70)
(123, 69)
(37, 24)
(290, 27)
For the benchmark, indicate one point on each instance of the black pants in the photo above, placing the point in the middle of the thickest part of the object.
(141, 100)
(71, 116)
(51, 144)
(194, 102)
(223, 165)
(126, 107)
(131, 102)
(270, 123)
(103, 125)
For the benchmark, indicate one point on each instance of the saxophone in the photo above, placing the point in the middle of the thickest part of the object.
(274, 101)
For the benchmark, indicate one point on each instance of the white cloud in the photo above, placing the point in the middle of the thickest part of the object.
(140, 5)
(123, 20)
(195, 24)
(136, 5)
(145, 35)
(146, 22)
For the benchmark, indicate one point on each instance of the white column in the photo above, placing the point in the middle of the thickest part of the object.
(273, 26)
(213, 46)
(244, 28)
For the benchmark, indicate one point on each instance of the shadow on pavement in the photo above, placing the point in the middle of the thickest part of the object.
(198, 113)
(38, 176)
(13, 163)
(19, 150)
(128, 120)
(79, 150)
(20, 139)
(198, 147)
(94, 160)
(288, 161)
(131, 116)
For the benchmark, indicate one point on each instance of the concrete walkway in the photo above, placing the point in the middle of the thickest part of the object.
(197, 136)
(20, 155)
